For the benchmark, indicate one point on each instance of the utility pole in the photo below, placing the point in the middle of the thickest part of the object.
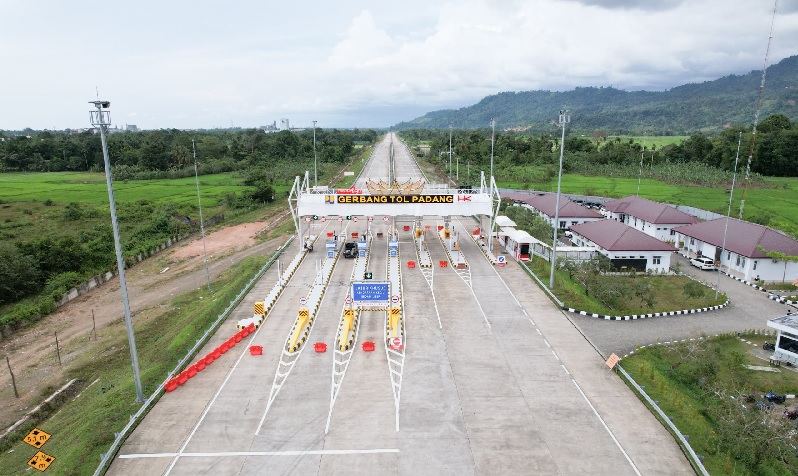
(450, 151)
(492, 134)
(102, 119)
(563, 120)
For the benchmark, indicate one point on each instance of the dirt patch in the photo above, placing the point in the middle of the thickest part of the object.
(151, 284)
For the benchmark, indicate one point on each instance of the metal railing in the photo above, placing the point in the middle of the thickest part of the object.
(105, 458)
(665, 418)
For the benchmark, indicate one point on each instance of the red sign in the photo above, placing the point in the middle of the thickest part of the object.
(464, 198)
(396, 343)
(349, 191)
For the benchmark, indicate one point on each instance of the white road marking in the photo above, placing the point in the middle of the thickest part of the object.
(607, 428)
(260, 453)
(566, 370)
(555, 355)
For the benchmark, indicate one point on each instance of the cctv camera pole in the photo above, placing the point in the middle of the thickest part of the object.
(564, 119)
(102, 119)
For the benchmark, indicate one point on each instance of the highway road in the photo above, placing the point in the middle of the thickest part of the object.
(495, 380)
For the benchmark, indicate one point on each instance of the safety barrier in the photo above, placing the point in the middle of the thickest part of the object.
(320, 347)
(368, 346)
(192, 371)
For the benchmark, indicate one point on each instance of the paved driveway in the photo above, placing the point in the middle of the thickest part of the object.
(748, 309)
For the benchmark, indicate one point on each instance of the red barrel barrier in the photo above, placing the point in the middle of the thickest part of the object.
(191, 371)
(171, 385)
(200, 365)
(256, 350)
(182, 378)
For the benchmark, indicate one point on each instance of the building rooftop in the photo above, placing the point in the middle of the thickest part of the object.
(652, 212)
(547, 203)
(788, 323)
(615, 236)
(743, 238)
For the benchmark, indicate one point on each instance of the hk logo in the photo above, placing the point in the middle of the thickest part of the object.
(329, 199)
(464, 198)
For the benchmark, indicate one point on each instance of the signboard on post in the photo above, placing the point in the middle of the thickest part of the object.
(612, 360)
(501, 260)
(370, 294)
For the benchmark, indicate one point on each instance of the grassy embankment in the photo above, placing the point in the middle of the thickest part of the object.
(699, 384)
(83, 427)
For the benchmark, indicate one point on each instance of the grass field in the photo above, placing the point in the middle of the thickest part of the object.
(651, 141)
(778, 202)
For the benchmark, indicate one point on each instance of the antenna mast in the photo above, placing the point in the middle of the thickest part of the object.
(756, 115)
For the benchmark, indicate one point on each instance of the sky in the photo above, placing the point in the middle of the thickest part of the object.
(357, 63)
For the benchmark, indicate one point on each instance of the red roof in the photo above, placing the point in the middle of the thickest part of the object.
(615, 236)
(742, 237)
(547, 203)
(652, 212)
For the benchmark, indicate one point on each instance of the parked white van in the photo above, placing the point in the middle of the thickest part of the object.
(702, 262)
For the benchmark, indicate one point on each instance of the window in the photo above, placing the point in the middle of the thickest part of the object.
(656, 260)
(562, 224)
(755, 265)
(738, 260)
(673, 232)
(728, 256)
(692, 241)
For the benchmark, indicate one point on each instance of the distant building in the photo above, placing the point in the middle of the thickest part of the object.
(570, 213)
(131, 128)
(284, 126)
(652, 218)
(745, 247)
(626, 247)
(270, 128)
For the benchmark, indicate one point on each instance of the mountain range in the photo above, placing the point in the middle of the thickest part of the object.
(683, 110)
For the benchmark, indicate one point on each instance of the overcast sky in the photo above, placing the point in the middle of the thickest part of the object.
(353, 63)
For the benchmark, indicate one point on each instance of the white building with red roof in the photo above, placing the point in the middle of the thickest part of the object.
(746, 248)
(652, 218)
(626, 247)
(571, 213)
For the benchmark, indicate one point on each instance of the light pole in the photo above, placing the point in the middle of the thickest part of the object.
(492, 134)
(202, 223)
(564, 119)
(315, 173)
(726, 226)
(102, 119)
(640, 174)
(450, 152)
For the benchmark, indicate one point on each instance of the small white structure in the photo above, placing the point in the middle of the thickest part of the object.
(626, 247)
(786, 339)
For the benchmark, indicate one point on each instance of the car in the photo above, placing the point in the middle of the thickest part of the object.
(702, 262)
(350, 250)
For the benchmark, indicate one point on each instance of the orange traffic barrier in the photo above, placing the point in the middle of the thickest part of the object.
(200, 365)
(368, 346)
(406, 228)
(237, 338)
(354, 234)
(320, 347)
(256, 350)
(411, 264)
(191, 371)
(182, 378)
(171, 385)
(443, 264)
(329, 234)
(440, 227)
(209, 359)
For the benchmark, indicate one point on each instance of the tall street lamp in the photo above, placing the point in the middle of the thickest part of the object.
(315, 173)
(564, 119)
(450, 151)
(102, 119)
(492, 134)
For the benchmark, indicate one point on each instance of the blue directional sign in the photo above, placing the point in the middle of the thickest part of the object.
(331, 254)
(362, 253)
(370, 292)
(393, 254)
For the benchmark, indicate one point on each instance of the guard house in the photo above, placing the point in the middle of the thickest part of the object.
(786, 338)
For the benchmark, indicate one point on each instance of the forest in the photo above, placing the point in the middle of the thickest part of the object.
(773, 152)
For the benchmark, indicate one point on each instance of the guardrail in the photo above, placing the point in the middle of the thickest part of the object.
(106, 457)
(540, 283)
(695, 460)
